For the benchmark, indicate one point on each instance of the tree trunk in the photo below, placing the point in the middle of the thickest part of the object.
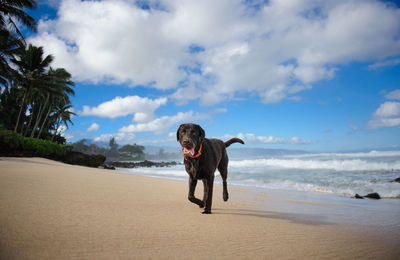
(44, 121)
(20, 110)
(55, 132)
(39, 116)
(29, 124)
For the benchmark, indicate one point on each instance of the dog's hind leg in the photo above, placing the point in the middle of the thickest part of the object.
(223, 170)
(192, 188)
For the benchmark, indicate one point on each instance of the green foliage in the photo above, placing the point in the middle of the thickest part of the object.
(80, 146)
(126, 153)
(41, 147)
(11, 142)
(132, 152)
(68, 147)
(132, 149)
(113, 144)
(28, 83)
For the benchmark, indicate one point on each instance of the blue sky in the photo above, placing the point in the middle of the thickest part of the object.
(306, 75)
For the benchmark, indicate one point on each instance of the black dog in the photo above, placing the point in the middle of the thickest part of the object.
(202, 157)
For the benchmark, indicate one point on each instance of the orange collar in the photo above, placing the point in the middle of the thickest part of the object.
(198, 152)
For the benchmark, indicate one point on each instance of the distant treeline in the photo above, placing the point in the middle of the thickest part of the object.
(129, 152)
(34, 97)
(113, 152)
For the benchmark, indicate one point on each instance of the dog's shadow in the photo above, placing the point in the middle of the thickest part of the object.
(299, 218)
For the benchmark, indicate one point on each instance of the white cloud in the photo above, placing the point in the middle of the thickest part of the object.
(385, 63)
(120, 138)
(142, 117)
(219, 110)
(141, 108)
(388, 109)
(264, 50)
(387, 115)
(309, 74)
(93, 127)
(254, 139)
(394, 95)
(162, 124)
(170, 138)
(112, 41)
(274, 95)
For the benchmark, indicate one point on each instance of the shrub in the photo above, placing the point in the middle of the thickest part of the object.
(11, 142)
(41, 147)
(68, 147)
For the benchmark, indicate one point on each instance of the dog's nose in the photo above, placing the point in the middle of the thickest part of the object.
(186, 142)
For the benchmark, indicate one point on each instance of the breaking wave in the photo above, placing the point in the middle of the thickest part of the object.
(339, 173)
(313, 164)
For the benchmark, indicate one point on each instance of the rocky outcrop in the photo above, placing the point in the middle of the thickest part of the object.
(358, 196)
(373, 195)
(77, 158)
(146, 163)
(396, 180)
(70, 157)
(107, 167)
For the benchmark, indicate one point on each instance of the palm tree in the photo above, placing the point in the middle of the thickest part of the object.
(63, 115)
(10, 43)
(31, 66)
(9, 46)
(60, 84)
(39, 104)
(14, 9)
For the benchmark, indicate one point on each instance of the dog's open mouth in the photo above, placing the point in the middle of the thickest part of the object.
(187, 151)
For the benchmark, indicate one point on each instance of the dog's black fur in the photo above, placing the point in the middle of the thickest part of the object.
(213, 156)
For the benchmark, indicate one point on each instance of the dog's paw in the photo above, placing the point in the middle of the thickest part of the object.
(226, 196)
(201, 205)
(206, 212)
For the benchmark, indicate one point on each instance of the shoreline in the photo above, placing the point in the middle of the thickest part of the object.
(378, 217)
(49, 209)
(351, 183)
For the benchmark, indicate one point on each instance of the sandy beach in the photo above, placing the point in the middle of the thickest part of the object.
(51, 210)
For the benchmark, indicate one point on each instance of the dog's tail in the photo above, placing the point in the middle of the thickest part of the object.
(233, 140)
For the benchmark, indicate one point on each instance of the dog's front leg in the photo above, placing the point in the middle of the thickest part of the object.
(208, 192)
(192, 188)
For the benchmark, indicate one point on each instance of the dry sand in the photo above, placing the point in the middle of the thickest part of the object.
(50, 210)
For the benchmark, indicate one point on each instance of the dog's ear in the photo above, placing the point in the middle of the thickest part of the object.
(202, 133)
(177, 133)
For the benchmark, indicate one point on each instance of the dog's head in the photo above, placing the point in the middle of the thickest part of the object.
(190, 136)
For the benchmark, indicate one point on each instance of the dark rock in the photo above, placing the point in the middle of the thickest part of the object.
(144, 163)
(107, 167)
(357, 196)
(396, 180)
(373, 195)
(77, 158)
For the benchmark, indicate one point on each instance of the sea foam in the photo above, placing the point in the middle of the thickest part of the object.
(338, 173)
(314, 164)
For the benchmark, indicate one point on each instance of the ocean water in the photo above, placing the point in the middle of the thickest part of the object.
(344, 174)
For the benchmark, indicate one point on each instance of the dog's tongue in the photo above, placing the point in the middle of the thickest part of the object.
(186, 151)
